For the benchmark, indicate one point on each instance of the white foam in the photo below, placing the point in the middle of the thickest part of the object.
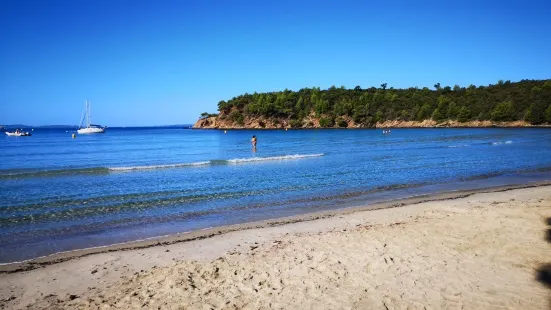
(455, 146)
(131, 168)
(273, 158)
(499, 142)
(206, 163)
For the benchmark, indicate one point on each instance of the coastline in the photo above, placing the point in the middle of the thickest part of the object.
(214, 122)
(182, 237)
(372, 128)
(472, 249)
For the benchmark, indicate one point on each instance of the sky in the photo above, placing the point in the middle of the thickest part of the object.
(164, 62)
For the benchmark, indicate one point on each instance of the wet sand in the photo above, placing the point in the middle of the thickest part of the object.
(456, 250)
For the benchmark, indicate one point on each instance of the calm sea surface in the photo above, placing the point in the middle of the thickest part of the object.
(59, 193)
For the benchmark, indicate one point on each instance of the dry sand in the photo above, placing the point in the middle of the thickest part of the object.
(482, 251)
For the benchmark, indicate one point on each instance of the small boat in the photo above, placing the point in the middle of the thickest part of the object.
(90, 128)
(18, 133)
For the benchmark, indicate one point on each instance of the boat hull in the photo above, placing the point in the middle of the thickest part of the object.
(90, 130)
(21, 134)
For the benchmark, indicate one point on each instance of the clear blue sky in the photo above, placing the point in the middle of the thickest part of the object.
(165, 62)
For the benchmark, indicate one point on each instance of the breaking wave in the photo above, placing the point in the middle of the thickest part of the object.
(501, 142)
(273, 158)
(151, 167)
(30, 173)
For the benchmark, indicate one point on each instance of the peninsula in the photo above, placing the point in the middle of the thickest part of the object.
(505, 104)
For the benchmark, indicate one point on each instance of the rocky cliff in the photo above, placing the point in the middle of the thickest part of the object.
(217, 122)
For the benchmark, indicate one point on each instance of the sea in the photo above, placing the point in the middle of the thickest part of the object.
(59, 193)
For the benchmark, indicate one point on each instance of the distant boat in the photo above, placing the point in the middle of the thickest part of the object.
(90, 128)
(18, 133)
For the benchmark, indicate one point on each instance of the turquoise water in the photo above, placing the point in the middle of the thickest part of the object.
(59, 194)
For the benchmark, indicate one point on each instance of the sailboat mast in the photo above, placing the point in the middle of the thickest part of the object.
(89, 111)
(82, 117)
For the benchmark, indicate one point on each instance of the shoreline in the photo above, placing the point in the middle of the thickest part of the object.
(374, 128)
(215, 122)
(185, 237)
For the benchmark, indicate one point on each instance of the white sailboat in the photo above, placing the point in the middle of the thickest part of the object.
(90, 128)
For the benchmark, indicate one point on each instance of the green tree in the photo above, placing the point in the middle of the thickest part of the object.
(322, 106)
(224, 106)
(424, 113)
(453, 110)
(414, 112)
(483, 116)
(300, 104)
(236, 117)
(548, 114)
(528, 115)
(342, 123)
(327, 122)
(437, 115)
(443, 102)
(504, 111)
(536, 114)
(464, 114)
(340, 108)
(379, 116)
(404, 115)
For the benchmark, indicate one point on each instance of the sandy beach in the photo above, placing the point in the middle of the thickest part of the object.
(457, 251)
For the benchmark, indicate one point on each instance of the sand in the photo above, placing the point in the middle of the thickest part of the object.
(482, 251)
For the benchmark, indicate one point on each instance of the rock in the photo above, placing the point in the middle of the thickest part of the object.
(311, 121)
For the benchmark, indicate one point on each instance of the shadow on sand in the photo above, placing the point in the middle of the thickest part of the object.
(544, 272)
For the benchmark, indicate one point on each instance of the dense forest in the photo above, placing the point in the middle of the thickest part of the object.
(528, 100)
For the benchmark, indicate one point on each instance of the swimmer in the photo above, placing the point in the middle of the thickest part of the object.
(253, 141)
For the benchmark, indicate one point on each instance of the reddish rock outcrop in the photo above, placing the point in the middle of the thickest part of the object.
(217, 122)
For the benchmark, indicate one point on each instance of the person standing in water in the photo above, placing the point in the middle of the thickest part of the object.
(253, 141)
